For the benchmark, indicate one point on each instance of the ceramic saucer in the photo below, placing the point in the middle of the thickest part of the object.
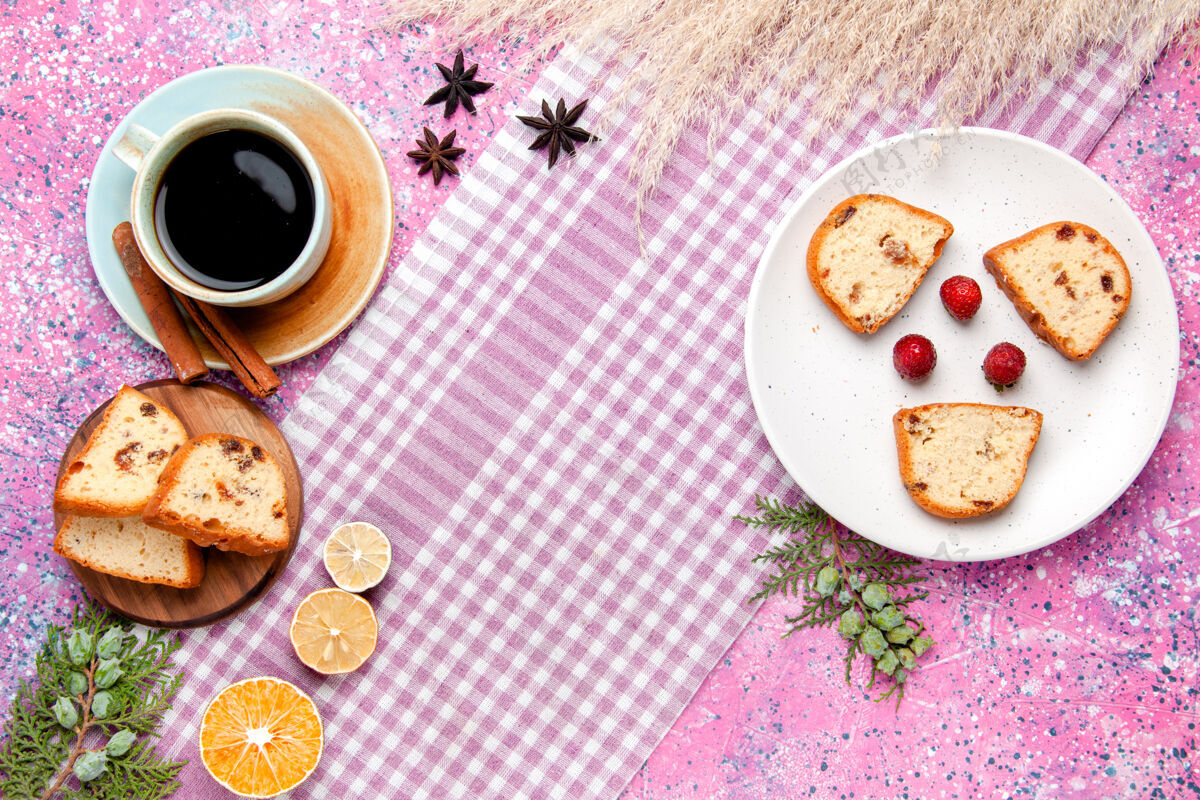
(363, 220)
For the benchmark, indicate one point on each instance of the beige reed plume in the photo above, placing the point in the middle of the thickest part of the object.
(700, 62)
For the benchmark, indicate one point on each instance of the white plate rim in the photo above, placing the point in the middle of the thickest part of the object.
(754, 300)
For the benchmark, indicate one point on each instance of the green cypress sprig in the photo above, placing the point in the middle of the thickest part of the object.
(83, 729)
(845, 580)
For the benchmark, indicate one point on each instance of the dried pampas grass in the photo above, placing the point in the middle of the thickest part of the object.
(697, 62)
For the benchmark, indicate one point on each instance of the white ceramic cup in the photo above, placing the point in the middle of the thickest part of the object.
(149, 154)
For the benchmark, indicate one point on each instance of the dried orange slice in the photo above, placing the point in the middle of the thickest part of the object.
(334, 631)
(261, 737)
(357, 556)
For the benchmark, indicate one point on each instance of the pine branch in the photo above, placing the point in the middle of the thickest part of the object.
(76, 730)
(142, 773)
(773, 515)
(35, 745)
(147, 689)
(845, 580)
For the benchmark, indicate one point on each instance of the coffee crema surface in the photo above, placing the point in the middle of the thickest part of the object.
(234, 209)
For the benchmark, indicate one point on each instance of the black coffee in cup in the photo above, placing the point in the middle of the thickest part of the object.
(234, 209)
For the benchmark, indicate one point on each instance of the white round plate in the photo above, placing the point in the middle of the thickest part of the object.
(352, 164)
(825, 396)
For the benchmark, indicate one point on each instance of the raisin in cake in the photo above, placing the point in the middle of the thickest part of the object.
(225, 491)
(869, 256)
(129, 548)
(964, 459)
(1068, 283)
(118, 469)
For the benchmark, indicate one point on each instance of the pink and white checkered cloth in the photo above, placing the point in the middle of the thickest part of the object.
(554, 431)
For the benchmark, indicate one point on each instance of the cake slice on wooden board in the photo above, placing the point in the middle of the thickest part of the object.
(1068, 283)
(964, 459)
(117, 471)
(869, 256)
(225, 491)
(129, 548)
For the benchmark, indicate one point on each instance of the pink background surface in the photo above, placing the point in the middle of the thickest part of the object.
(1070, 672)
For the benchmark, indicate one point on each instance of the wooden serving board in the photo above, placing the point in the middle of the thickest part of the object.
(232, 581)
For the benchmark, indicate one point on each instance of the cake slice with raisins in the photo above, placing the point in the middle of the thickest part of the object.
(1068, 283)
(224, 491)
(870, 254)
(117, 470)
(964, 459)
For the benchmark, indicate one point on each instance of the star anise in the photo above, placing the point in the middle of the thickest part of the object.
(558, 129)
(460, 86)
(437, 156)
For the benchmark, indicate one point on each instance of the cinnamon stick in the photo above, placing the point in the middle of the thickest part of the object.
(164, 316)
(228, 340)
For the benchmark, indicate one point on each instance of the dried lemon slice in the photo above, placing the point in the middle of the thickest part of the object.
(261, 737)
(334, 631)
(357, 556)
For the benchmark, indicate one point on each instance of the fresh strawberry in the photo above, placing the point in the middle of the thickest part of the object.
(913, 356)
(961, 296)
(1003, 364)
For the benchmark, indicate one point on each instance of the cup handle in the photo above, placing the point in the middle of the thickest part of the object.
(134, 145)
